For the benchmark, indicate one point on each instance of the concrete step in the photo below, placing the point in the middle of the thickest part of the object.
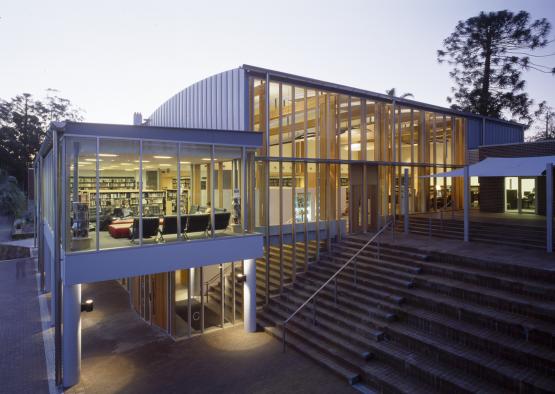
(307, 350)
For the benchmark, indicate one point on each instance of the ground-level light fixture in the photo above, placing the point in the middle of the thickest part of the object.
(87, 306)
(241, 278)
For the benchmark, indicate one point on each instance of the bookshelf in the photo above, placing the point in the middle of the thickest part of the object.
(105, 182)
(154, 201)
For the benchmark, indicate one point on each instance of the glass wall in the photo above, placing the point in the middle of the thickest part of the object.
(80, 191)
(133, 193)
(330, 133)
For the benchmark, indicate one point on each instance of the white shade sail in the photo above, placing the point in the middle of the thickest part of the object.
(503, 166)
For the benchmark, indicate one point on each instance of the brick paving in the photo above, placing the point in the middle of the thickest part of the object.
(22, 361)
(121, 353)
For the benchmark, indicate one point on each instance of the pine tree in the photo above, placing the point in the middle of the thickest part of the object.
(489, 53)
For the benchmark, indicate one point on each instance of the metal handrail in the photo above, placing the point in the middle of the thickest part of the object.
(334, 276)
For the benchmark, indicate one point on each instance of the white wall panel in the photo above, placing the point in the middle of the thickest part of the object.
(217, 102)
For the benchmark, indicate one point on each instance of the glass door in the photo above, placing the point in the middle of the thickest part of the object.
(528, 195)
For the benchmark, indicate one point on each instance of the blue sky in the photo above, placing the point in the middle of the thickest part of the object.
(115, 57)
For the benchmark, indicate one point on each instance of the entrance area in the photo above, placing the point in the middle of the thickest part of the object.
(363, 198)
(520, 195)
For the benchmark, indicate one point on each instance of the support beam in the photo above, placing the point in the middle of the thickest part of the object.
(549, 206)
(466, 202)
(71, 338)
(249, 295)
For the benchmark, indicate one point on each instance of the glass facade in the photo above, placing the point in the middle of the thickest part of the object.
(350, 154)
(132, 192)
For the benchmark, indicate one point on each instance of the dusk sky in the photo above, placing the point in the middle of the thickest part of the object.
(112, 58)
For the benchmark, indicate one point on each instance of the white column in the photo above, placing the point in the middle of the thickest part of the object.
(466, 203)
(249, 295)
(549, 206)
(71, 339)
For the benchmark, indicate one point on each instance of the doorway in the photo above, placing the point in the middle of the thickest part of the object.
(520, 194)
(363, 199)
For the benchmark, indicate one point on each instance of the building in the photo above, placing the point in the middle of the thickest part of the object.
(247, 164)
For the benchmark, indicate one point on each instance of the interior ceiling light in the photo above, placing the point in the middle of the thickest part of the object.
(144, 161)
(107, 155)
(206, 159)
(355, 147)
(92, 160)
(185, 162)
(164, 165)
(161, 157)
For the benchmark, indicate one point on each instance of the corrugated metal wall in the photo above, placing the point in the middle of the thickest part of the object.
(496, 133)
(219, 102)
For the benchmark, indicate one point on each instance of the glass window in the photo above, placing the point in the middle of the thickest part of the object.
(286, 124)
(196, 190)
(300, 121)
(343, 109)
(356, 129)
(160, 189)
(311, 131)
(80, 185)
(275, 98)
(227, 191)
(119, 196)
(370, 130)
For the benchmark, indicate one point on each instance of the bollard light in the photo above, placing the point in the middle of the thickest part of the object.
(87, 306)
(241, 278)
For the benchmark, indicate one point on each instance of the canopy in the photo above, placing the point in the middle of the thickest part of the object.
(503, 166)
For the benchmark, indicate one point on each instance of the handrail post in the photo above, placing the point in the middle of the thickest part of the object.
(283, 336)
(335, 291)
(314, 311)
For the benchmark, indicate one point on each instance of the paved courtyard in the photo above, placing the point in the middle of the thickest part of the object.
(22, 359)
(123, 354)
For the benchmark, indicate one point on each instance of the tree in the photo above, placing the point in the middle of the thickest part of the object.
(545, 122)
(24, 121)
(392, 92)
(489, 53)
(12, 199)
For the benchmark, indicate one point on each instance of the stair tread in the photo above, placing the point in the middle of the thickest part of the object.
(505, 367)
(350, 376)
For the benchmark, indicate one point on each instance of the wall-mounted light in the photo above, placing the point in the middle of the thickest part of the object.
(87, 306)
(241, 278)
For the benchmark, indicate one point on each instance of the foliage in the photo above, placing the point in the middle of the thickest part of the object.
(489, 53)
(24, 121)
(544, 122)
(12, 199)
(392, 92)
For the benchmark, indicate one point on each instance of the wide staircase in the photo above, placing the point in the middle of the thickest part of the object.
(523, 236)
(275, 274)
(409, 322)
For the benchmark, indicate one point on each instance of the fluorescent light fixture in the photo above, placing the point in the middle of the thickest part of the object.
(206, 159)
(144, 161)
(107, 155)
(355, 147)
(92, 160)
(161, 157)
(128, 169)
(185, 162)
(165, 165)
(125, 164)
